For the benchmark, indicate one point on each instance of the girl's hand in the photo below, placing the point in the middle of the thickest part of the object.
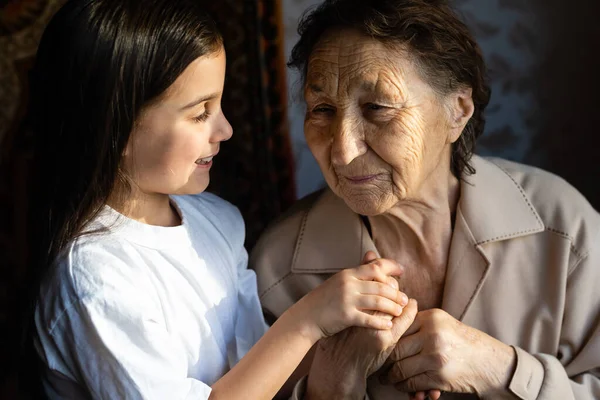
(343, 362)
(349, 297)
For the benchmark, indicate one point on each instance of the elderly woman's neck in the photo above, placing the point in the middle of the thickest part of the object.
(419, 230)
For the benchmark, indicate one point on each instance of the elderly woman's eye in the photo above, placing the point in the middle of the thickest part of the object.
(321, 109)
(374, 107)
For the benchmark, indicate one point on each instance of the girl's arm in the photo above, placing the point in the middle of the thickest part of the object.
(342, 301)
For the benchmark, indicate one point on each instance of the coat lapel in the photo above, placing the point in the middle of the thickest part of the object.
(492, 207)
(332, 237)
(467, 267)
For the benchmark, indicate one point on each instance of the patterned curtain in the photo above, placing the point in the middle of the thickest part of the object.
(254, 169)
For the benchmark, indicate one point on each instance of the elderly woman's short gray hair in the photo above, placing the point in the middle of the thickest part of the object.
(439, 43)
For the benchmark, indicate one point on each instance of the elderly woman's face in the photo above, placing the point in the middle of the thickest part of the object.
(377, 130)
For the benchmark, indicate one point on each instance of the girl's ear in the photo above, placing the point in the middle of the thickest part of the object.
(461, 107)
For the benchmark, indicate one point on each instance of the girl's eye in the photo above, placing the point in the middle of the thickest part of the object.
(202, 117)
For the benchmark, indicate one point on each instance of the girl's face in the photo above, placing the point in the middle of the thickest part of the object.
(173, 143)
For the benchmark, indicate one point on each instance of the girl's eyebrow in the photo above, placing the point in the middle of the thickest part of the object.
(200, 100)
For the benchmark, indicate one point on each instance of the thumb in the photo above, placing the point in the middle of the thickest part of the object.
(369, 256)
(401, 324)
(405, 320)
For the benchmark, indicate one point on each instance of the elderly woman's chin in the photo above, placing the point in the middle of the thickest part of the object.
(368, 199)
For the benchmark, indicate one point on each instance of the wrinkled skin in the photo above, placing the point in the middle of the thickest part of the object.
(370, 116)
(439, 351)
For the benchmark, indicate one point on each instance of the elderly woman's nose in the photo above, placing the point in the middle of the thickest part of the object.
(348, 143)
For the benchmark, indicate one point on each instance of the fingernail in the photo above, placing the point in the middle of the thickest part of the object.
(398, 310)
(388, 324)
(394, 283)
(403, 299)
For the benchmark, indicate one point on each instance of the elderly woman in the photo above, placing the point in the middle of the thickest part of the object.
(503, 259)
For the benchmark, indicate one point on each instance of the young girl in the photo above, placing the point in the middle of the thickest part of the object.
(144, 290)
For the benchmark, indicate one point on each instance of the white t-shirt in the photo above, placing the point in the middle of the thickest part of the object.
(141, 311)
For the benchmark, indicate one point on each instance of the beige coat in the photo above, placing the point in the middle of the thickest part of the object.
(524, 267)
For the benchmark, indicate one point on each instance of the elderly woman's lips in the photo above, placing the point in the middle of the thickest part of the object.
(361, 179)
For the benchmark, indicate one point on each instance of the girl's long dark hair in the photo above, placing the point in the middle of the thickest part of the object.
(99, 63)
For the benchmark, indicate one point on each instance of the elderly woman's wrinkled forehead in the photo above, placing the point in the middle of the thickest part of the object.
(345, 61)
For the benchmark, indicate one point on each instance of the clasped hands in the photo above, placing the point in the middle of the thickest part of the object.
(425, 353)
(438, 353)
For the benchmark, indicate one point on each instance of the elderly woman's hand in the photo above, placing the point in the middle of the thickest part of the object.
(439, 351)
(343, 362)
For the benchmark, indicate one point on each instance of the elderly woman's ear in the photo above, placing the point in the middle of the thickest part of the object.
(460, 107)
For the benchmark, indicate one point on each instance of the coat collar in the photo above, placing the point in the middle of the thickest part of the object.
(492, 207)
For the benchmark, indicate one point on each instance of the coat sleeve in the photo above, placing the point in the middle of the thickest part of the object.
(574, 372)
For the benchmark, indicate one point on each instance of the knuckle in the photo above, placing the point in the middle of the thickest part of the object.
(376, 313)
(378, 322)
(395, 354)
(437, 315)
(344, 274)
(375, 265)
(437, 340)
(439, 360)
(380, 289)
(368, 321)
(398, 371)
(345, 284)
(389, 291)
(336, 281)
(411, 385)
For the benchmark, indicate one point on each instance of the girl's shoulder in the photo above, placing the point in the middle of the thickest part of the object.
(92, 270)
(94, 261)
(208, 211)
